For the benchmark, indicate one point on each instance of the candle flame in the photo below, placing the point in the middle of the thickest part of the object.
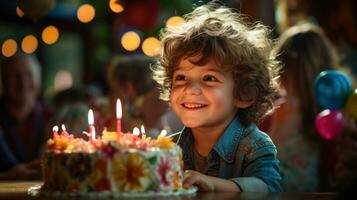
(142, 129)
(90, 117)
(55, 129)
(163, 132)
(63, 127)
(136, 131)
(119, 110)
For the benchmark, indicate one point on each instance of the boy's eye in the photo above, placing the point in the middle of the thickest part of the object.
(179, 77)
(209, 78)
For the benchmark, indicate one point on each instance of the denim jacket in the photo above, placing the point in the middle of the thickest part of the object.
(243, 154)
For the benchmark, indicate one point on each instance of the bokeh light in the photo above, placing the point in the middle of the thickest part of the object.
(9, 48)
(29, 44)
(63, 80)
(50, 35)
(174, 21)
(85, 13)
(151, 46)
(19, 12)
(130, 41)
(115, 6)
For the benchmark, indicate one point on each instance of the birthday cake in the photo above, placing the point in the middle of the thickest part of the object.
(114, 163)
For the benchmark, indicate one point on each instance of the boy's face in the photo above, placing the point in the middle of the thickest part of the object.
(202, 96)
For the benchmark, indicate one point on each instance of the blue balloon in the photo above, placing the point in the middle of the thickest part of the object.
(332, 88)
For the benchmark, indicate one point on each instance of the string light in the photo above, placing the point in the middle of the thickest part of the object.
(29, 44)
(151, 46)
(85, 13)
(130, 41)
(9, 48)
(50, 35)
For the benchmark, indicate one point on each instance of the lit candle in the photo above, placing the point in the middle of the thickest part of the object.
(91, 128)
(93, 134)
(55, 132)
(163, 132)
(142, 132)
(64, 131)
(136, 131)
(118, 115)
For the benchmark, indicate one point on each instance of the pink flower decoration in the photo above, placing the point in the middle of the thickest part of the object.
(163, 169)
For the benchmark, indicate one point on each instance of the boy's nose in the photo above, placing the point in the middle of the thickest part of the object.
(193, 88)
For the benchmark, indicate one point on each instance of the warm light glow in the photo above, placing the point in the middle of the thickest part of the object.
(90, 117)
(130, 41)
(115, 6)
(50, 35)
(63, 127)
(29, 44)
(19, 12)
(163, 132)
(174, 21)
(55, 129)
(142, 129)
(118, 109)
(151, 46)
(63, 80)
(136, 131)
(85, 13)
(9, 48)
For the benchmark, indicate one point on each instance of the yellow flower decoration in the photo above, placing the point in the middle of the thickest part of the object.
(109, 136)
(164, 142)
(130, 172)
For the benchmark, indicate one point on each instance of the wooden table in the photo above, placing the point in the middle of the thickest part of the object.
(18, 190)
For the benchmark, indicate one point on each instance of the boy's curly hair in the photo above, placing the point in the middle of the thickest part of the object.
(242, 48)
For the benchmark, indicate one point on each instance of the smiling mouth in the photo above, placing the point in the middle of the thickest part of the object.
(193, 105)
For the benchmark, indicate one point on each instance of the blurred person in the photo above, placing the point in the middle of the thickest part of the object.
(71, 107)
(23, 117)
(291, 12)
(304, 51)
(339, 20)
(130, 79)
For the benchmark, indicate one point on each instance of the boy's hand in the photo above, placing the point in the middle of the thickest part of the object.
(203, 182)
(24, 171)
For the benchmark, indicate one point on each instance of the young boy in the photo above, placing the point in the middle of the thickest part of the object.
(220, 79)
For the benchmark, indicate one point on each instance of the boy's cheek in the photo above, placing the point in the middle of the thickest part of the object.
(173, 95)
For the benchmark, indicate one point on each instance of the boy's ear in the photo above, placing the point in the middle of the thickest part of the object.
(244, 103)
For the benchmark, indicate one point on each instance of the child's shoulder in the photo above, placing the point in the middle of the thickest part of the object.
(255, 143)
(254, 137)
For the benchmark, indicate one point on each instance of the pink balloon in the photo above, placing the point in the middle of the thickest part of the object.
(329, 124)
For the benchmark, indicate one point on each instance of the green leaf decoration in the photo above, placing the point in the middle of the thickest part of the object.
(153, 160)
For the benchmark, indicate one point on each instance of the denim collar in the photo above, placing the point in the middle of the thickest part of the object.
(227, 144)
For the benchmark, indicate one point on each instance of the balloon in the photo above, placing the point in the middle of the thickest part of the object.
(329, 124)
(332, 88)
(36, 8)
(351, 105)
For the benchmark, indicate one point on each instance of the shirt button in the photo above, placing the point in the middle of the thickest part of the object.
(229, 157)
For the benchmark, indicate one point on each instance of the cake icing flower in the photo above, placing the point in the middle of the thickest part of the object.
(164, 171)
(164, 142)
(131, 173)
(98, 177)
